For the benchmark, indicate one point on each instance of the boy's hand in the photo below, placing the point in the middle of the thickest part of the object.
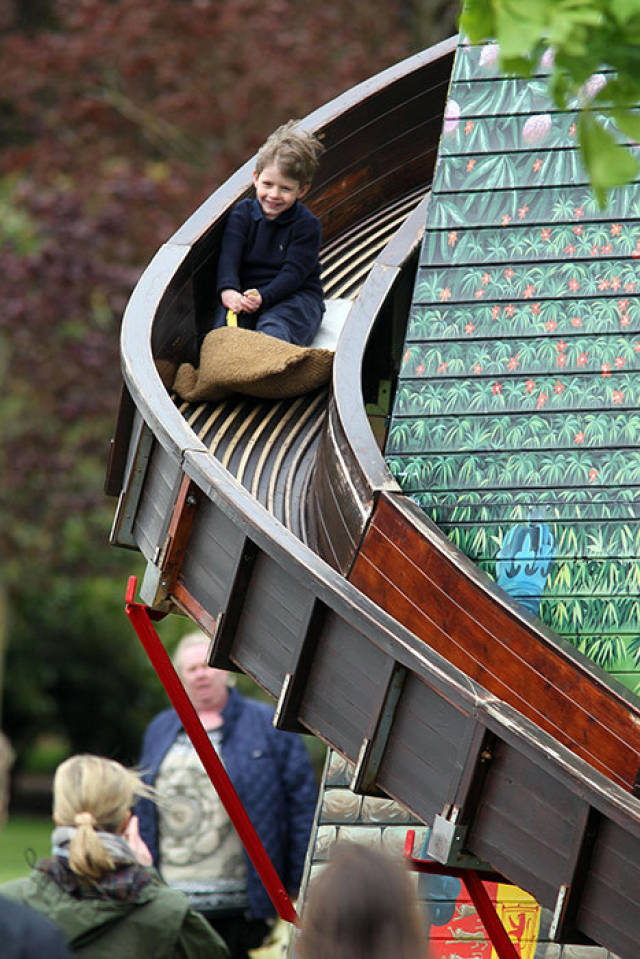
(232, 300)
(251, 301)
(247, 302)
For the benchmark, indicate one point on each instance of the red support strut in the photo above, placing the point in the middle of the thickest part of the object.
(139, 616)
(498, 936)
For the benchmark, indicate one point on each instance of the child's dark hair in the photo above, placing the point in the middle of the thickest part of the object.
(361, 904)
(297, 152)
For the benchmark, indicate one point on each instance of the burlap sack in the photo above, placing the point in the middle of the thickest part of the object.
(233, 360)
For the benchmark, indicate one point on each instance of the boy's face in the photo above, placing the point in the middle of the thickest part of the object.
(276, 192)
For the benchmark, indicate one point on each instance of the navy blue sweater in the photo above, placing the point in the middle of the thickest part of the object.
(272, 774)
(276, 257)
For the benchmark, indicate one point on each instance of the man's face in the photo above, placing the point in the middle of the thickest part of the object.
(206, 687)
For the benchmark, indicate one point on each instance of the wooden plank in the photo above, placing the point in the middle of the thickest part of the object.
(119, 444)
(154, 510)
(429, 595)
(344, 678)
(352, 132)
(210, 560)
(610, 903)
(268, 624)
(422, 754)
(531, 845)
(232, 605)
(519, 242)
(368, 193)
(297, 676)
(376, 740)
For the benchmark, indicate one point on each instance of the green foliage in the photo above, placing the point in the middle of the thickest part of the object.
(608, 165)
(586, 37)
(153, 107)
(17, 227)
(45, 754)
(76, 669)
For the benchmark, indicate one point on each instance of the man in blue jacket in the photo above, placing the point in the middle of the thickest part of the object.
(190, 836)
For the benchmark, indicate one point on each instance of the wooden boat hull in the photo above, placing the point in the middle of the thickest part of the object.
(416, 726)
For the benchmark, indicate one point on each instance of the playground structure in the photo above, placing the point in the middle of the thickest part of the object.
(313, 573)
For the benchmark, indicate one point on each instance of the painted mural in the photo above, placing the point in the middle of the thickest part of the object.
(454, 928)
(458, 933)
(516, 420)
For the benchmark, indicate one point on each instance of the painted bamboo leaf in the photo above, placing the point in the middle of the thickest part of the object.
(518, 398)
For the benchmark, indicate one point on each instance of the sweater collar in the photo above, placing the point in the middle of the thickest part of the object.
(286, 217)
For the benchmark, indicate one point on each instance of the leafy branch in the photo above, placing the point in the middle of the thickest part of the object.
(576, 40)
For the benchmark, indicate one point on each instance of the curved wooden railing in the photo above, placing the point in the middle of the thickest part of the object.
(416, 727)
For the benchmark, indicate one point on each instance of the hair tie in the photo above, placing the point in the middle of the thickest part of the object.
(84, 819)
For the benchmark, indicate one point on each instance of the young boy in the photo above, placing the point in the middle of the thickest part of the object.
(268, 271)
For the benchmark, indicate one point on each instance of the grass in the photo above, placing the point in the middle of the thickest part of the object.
(23, 840)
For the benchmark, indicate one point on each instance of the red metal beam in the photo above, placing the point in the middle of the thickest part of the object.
(473, 880)
(139, 616)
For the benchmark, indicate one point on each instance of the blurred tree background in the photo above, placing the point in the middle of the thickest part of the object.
(118, 117)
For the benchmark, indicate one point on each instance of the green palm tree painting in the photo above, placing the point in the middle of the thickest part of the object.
(516, 419)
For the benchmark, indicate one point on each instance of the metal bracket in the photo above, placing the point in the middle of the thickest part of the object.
(446, 843)
(558, 911)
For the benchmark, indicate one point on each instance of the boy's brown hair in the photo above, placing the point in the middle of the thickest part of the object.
(297, 152)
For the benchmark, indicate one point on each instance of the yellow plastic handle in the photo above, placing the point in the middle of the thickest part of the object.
(232, 318)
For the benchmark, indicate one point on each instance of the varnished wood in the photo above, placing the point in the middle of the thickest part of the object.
(423, 588)
(179, 532)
